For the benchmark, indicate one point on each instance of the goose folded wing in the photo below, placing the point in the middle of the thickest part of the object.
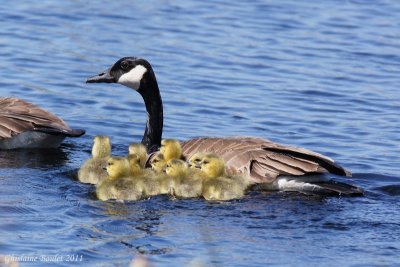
(17, 116)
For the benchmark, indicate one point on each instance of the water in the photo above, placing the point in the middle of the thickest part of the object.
(319, 74)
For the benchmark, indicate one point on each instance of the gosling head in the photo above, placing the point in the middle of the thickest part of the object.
(170, 149)
(101, 147)
(212, 166)
(141, 151)
(117, 167)
(158, 163)
(177, 168)
(195, 160)
(128, 71)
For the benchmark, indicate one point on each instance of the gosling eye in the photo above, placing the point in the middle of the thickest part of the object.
(124, 65)
(206, 162)
(110, 163)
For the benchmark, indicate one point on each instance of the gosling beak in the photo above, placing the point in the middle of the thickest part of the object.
(104, 77)
(197, 166)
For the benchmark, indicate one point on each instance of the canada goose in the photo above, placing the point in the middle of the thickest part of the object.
(186, 182)
(259, 160)
(217, 185)
(92, 171)
(118, 184)
(25, 125)
(170, 149)
(141, 151)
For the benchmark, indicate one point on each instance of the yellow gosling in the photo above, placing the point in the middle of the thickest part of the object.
(158, 163)
(148, 180)
(216, 184)
(119, 184)
(141, 151)
(195, 159)
(171, 149)
(186, 183)
(92, 171)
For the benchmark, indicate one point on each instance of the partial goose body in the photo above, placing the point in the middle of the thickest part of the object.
(268, 165)
(25, 125)
(92, 170)
(259, 160)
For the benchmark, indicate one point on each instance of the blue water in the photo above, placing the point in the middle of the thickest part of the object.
(324, 75)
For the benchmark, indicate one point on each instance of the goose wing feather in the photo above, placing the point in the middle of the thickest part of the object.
(261, 160)
(17, 116)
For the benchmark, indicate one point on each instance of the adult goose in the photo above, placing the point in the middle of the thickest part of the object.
(265, 163)
(25, 125)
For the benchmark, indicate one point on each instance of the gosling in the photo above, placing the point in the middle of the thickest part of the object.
(171, 149)
(217, 185)
(119, 183)
(158, 163)
(186, 183)
(92, 171)
(148, 180)
(195, 159)
(141, 151)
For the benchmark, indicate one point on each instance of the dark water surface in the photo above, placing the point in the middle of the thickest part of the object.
(324, 75)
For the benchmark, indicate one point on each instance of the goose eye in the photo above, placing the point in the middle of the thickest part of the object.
(124, 65)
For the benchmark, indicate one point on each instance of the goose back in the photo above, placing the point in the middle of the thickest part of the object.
(262, 160)
(18, 116)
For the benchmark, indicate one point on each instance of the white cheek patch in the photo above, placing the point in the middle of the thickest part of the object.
(133, 77)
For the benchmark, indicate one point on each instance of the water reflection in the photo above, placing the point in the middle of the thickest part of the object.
(33, 158)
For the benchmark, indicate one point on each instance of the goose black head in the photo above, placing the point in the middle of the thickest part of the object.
(138, 74)
(129, 71)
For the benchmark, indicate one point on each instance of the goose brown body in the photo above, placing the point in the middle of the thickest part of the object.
(23, 124)
(261, 160)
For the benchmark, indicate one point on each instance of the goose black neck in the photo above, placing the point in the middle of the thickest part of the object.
(151, 95)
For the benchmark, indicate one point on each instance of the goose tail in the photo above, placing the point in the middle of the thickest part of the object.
(64, 132)
(313, 186)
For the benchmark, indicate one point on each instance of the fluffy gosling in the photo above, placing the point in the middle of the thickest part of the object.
(119, 184)
(171, 149)
(217, 185)
(141, 151)
(92, 171)
(151, 182)
(186, 183)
